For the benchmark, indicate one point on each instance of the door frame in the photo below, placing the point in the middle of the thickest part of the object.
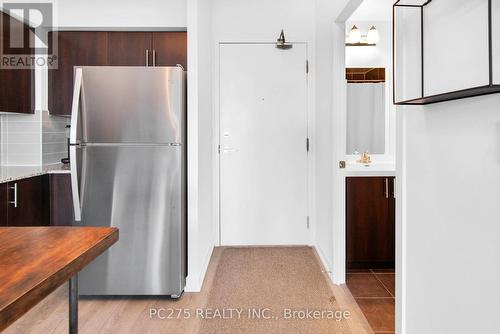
(339, 198)
(310, 134)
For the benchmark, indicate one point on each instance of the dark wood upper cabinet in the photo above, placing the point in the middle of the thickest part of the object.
(170, 48)
(75, 48)
(129, 48)
(28, 202)
(116, 48)
(370, 219)
(17, 92)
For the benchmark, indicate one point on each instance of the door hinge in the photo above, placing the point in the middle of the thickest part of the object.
(307, 222)
(218, 149)
(307, 144)
(307, 66)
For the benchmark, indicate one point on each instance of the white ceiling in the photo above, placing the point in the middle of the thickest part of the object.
(373, 10)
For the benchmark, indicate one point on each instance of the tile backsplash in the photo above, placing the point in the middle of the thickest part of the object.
(32, 140)
(54, 142)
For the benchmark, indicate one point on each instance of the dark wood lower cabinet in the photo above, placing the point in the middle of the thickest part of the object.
(370, 219)
(27, 202)
(61, 201)
(37, 201)
(4, 204)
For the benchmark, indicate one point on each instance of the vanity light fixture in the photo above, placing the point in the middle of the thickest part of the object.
(373, 36)
(355, 35)
(355, 38)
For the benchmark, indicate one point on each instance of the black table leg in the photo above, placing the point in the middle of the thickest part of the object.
(73, 304)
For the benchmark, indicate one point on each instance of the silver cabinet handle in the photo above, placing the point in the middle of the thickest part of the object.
(154, 57)
(147, 58)
(386, 188)
(15, 195)
(394, 188)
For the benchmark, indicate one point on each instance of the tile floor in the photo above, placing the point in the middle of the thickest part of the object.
(374, 293)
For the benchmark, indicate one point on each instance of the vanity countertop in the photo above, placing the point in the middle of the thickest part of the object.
(13, 173)
(374, 169)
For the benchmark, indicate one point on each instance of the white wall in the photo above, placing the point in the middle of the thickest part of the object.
(448, 202)
(325, 128)
(121, 13)
(452, 193)
(261, 20)
(202, 226)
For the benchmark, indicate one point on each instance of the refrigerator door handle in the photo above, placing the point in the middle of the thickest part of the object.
(74, 183)
(75, 108)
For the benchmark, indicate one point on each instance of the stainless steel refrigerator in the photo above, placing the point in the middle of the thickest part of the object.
(128, 170)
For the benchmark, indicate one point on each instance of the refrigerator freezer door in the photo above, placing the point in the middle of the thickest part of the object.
(132, 105)
(139, 190)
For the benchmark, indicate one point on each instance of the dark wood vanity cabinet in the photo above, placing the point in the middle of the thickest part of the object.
(17, 93)
(25, 202)
(370, 220)
(112, 48)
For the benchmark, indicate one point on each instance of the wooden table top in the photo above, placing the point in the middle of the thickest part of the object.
(34, 261)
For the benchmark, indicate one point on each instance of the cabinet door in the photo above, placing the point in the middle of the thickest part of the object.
(370, 223)
(4, 204)
(75, 48)
(170, 48)
(28, 202)
(61, 201)
(129, 48)
(17, 85)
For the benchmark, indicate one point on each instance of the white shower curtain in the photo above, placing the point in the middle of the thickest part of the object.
(366, 118)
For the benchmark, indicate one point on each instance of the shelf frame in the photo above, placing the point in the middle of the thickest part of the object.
(489, 88)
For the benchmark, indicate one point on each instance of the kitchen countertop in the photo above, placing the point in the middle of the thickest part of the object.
(13, 173)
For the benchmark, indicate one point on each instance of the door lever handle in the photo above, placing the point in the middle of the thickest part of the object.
(229, 150)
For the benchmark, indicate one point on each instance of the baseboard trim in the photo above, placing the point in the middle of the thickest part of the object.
(196, 285)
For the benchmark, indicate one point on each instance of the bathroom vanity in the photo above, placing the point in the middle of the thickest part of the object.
(370, 222)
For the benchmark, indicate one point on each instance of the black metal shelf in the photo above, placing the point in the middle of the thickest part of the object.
(489, 88)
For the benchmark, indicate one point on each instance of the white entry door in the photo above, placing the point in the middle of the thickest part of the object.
(263, 133)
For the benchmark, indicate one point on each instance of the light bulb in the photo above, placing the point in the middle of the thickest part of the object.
(355, 35)
(373, 36)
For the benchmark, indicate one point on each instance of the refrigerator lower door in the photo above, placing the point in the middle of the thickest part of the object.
(140, 190)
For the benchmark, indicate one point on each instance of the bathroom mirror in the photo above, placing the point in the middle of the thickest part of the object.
(366, 111)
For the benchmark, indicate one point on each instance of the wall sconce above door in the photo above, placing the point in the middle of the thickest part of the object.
(355, 38)
(281, 43)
